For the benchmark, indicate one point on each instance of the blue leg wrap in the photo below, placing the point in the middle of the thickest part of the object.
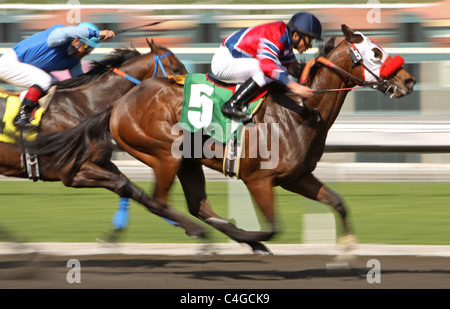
(120, 218)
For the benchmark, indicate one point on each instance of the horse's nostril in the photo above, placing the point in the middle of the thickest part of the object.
(409, 83)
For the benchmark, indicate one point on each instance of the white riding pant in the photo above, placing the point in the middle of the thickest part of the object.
(14, 72)
(224, 66)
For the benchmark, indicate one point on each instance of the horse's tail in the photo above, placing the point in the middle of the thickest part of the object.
(76, 145)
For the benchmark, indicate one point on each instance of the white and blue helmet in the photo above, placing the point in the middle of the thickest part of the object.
(92, 42)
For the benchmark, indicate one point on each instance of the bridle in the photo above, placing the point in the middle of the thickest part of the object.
(379, 84)
(158, 64)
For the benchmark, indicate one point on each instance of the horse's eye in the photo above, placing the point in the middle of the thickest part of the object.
(375, 59)
(177, 71)
(377, 53)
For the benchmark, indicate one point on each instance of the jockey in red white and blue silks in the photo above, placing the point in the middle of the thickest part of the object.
(262, 54)
(269, 44)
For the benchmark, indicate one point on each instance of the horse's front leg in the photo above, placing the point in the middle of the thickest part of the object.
(192, 179)
(309, 186)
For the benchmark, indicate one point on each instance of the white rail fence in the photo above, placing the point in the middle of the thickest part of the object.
(350, 137)
(382, 137)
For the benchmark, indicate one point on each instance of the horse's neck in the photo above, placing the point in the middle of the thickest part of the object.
(116, 85)
(329, 105)
(107, 88)
(139, 67)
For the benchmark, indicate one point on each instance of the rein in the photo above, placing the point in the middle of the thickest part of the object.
(126, 76)
(381, 85)
(158, 63)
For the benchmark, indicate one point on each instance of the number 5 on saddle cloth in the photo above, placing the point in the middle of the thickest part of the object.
(204, 97)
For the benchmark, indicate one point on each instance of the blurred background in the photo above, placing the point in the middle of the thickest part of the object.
(374, 139)
(371, 129)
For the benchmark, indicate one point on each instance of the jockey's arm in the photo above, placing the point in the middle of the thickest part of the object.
(300, 90)
(63, 35)
(275, 64)
(294, 67)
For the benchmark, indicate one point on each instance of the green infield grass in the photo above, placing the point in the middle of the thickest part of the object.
(385, 213)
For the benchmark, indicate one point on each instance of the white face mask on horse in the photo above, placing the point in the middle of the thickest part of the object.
(377, 60)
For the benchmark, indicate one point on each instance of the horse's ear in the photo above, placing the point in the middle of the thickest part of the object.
(150, 44)
(350, 34)
(153, 46)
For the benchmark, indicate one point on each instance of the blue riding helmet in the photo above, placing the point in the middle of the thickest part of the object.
(306, 23)
(92, 42)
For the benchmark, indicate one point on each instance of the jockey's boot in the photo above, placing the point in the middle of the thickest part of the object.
(29, 102)
(236, 107)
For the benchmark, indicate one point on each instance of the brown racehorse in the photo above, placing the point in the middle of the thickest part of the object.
(142, 123)
(79, 97)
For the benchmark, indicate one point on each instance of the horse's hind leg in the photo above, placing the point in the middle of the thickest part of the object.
(192, 179)
(93, 176)
(309, 186)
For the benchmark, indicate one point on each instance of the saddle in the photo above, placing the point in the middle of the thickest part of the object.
(204, 96)
(9, 108)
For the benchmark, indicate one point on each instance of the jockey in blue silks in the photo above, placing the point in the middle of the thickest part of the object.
(30, 61)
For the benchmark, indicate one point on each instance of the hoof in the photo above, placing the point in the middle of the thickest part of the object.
(111, 237)
(196, 233)
(208, 250)
(262, 252)
(348, 239)
(259, 249)
(348, 242)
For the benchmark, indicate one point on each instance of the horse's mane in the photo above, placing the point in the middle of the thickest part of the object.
(323, 51)
(326, 48)
(115, 59)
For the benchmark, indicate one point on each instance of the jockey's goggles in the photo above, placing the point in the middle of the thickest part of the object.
(86, 46)
(307, 40)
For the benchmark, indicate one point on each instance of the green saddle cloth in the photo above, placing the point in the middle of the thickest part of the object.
(203, 100)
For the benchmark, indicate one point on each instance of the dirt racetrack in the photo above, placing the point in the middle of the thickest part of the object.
(230, 272)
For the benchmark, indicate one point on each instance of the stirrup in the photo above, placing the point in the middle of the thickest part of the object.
(23, 123)
(243, 117)
(231, 112)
